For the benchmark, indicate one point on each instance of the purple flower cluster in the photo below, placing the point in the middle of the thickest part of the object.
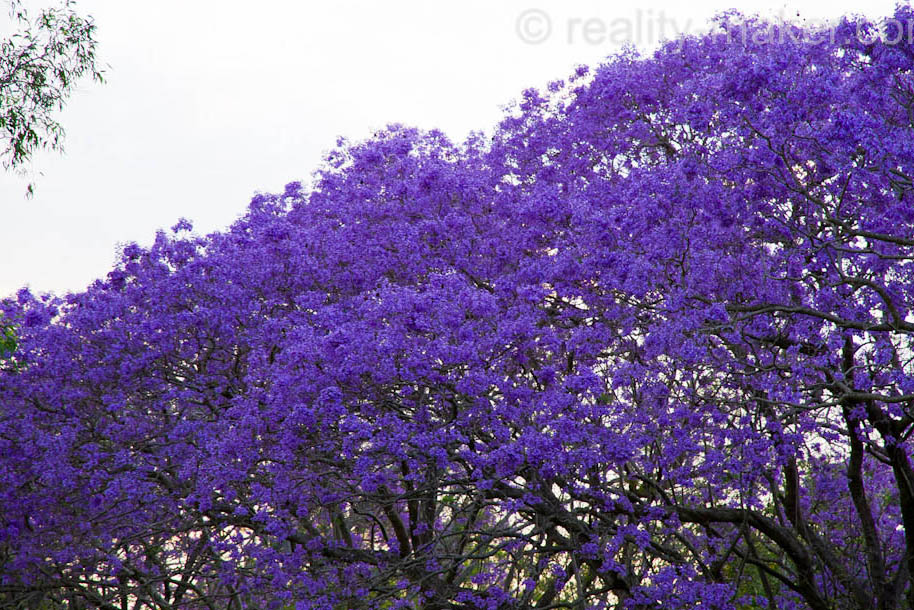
(650, 346)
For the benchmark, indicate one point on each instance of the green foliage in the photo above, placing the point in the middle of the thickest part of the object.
(8, 341)
(39, 66)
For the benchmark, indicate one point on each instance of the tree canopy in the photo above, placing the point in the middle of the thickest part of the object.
(648, 346)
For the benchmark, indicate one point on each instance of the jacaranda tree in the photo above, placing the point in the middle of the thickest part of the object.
(649, 346)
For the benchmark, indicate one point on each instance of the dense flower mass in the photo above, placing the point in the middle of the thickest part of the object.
(649, 346)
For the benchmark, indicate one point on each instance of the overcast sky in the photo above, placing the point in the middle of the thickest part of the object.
(207, 103)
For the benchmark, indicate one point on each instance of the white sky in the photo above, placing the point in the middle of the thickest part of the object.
(208, 102)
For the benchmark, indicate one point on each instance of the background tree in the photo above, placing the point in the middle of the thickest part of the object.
(39, 67)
